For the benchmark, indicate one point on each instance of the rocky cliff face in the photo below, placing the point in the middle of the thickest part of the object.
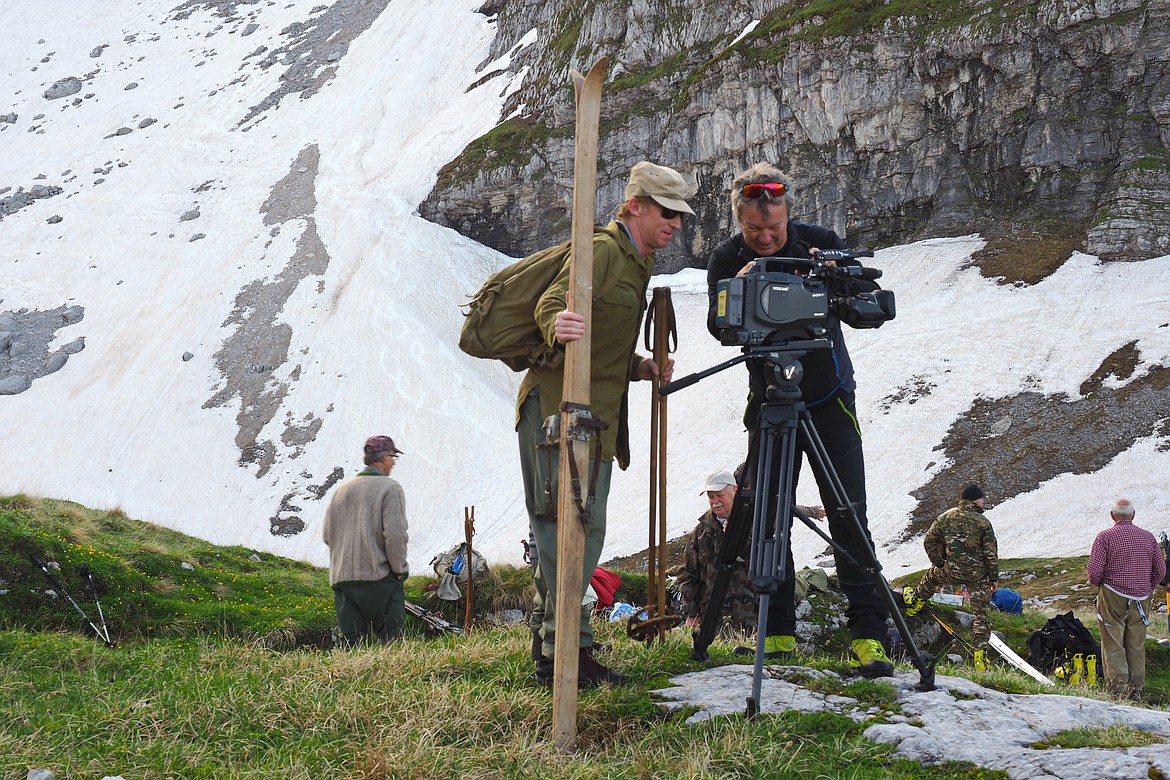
(1027, 122)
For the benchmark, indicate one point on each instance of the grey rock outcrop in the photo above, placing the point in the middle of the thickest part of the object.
(63, 88)
(12, 385)
(1051, 118)
(22, 198)
(25, 337)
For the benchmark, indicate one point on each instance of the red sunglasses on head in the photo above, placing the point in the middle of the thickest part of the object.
(760, 189)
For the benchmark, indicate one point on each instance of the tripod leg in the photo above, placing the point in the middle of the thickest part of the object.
(771, 534)
(923, 661)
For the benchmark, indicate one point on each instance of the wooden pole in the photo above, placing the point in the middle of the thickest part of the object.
(570, 533)
(652, 545)
(663, 320)
(658, 620)
(468, 532)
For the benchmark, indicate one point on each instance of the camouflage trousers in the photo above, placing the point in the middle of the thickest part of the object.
(978, 594)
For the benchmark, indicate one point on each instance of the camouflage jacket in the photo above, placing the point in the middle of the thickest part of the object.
(700, 565)
(962, 542)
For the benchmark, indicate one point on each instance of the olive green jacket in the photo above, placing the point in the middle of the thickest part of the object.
(613, 334)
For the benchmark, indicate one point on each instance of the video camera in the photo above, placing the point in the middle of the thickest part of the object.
(785, 299)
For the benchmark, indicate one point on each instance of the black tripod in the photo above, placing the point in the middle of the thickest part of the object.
(771, 468)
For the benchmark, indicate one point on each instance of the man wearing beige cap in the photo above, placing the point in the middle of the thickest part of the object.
(701, 565)
(623, 255)
(365, 531)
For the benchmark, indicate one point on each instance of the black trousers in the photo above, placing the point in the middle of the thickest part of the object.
(835, 421)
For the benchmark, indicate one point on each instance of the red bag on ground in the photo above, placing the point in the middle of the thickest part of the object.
(605, 583)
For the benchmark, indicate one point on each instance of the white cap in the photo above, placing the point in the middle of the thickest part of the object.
(718, 481)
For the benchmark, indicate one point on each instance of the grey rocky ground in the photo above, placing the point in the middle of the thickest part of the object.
(958, 721)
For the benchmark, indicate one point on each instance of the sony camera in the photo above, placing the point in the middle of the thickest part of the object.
(788, 299)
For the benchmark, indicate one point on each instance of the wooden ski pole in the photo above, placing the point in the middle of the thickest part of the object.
(658, 619)
(468, 532)
(663, 327)
(577, 368)
(652, 544)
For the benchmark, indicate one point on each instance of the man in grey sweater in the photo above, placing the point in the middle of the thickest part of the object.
(365, 531)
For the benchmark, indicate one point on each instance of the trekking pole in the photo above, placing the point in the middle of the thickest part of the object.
(61, 589)
(468, 532)
(963, 644)
(658, 621)
(87, 578)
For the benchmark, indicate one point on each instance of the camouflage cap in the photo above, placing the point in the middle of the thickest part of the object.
(376, 444)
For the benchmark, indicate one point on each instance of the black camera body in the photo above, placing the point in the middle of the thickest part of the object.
(789, 299)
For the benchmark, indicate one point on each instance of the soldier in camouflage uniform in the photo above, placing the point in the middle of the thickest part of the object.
(700, 565)
(962, 550)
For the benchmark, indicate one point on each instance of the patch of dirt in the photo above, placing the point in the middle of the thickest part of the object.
(1012, 445)
(1121, 364)
(913, 391)
(638, 561)
(1022, 256)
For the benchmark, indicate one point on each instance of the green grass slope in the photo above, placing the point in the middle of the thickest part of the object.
(222, 668)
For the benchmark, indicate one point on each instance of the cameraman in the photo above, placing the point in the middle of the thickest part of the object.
(761, 199)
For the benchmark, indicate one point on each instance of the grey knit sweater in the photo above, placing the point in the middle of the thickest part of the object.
(365, 530)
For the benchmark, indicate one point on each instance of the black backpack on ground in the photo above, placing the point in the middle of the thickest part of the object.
(1062, 638)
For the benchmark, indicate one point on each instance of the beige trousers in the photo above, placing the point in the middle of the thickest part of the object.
(1123, 640)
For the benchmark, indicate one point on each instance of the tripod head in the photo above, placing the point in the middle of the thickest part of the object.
(780, 362)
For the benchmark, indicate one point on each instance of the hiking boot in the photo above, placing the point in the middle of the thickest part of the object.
(779, 646)
(869, 658)
(914, 603)
(544, 670)
(591, 673)
(980, 660)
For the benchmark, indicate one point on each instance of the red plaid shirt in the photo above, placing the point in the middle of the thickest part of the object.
(1127, 559)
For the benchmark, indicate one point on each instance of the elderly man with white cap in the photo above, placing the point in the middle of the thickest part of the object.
(623, 255)
(700, 567)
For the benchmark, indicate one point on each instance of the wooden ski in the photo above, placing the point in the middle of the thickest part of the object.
(1014, 659)
(578, 364)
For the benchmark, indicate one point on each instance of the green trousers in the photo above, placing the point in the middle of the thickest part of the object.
(369, 610)
(536, 464)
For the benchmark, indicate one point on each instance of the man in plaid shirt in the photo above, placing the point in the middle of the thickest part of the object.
(1126, 564)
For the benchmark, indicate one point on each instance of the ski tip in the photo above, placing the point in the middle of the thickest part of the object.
(596, 70)
(601, 65)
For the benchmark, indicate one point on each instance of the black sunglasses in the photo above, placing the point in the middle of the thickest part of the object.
(667, 214)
